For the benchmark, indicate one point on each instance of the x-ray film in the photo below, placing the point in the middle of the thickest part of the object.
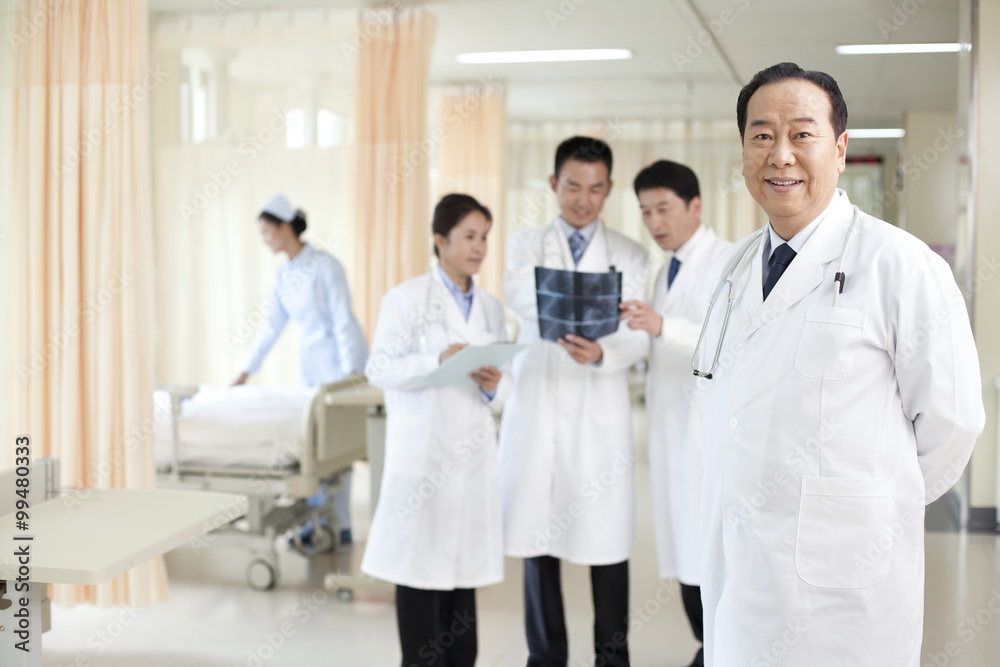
(571, 302)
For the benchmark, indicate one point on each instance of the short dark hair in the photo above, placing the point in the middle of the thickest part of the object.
(669, 175)
(298, 223)
(451, 210)
(783, 71)
(583, 149)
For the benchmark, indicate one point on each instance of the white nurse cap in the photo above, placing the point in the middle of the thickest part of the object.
(279, 207)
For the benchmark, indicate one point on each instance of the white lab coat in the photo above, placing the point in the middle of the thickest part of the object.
(826, 430)
(312, 289)
(437, 525)
(566, 457)
(674, 409)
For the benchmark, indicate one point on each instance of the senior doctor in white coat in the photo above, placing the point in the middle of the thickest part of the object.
(670, 200)
(566, 458)
(436, 532)
(831, 417)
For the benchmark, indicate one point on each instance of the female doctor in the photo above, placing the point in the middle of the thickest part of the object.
(437, 532)
(311, 288)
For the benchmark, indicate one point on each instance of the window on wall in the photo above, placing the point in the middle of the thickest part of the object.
(295, 130)
(330, 129)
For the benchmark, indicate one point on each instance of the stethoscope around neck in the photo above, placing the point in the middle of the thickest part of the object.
(734, 272)
(438, 293)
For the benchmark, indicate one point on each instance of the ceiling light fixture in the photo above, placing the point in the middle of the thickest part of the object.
(550, 56)
(881, 49)
(877, 133)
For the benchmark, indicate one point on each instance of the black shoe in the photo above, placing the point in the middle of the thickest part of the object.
(699, 659)
(345, 537)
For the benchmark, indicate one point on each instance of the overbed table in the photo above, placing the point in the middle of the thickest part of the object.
(91, 537)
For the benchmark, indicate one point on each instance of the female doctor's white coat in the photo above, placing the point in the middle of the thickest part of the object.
(566, 457)
(674, 409)
(827, 430)
(437, 525)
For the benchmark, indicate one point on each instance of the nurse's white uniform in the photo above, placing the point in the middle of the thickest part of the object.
(312, 289)
(826, 431)
(674, 408)
(437, 525)
(566, 456)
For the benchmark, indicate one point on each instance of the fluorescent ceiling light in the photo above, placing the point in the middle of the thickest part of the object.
(552, 56)
(877, 133)
(868, 49)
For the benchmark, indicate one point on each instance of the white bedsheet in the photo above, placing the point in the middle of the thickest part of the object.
(259, 427)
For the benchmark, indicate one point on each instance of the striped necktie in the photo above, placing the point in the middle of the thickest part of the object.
(576, 246)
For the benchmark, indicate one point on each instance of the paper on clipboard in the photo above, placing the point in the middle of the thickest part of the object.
(456, 369)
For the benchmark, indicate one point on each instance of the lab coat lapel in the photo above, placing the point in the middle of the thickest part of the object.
(683, 283)
(555, 248)
(595, 257)
(479, 331)
(804, 274)
(457, 327)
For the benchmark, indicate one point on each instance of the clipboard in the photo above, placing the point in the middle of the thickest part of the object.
(455, 370)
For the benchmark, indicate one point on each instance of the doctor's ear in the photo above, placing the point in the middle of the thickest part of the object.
(440, 241)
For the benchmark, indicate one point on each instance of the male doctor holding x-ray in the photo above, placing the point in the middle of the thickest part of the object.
(845, 396)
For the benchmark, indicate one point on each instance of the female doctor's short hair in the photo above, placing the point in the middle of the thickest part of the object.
(451, 210)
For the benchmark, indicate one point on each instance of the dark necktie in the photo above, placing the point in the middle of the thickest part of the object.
(780, 259)
(675, 264)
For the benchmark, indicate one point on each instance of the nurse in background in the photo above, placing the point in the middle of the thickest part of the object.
(670, 200)
(436, 532)
(310, 288)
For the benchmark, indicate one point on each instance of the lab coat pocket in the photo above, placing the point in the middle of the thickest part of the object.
(839, 521)
(406, 440)
(830, 337)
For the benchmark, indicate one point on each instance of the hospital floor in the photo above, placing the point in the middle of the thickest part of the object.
(214, 620)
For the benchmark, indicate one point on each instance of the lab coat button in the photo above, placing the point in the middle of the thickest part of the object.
(734, 422)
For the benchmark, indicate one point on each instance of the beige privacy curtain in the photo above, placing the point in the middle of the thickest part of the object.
(393, 212)
(473, 138)
(82, 314)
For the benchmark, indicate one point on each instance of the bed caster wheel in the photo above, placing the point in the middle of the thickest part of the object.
(345, 594)
(321, 541)
(261, 575)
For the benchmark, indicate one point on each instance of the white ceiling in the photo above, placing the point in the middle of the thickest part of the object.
(654, 83)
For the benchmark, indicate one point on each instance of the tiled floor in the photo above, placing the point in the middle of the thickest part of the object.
(214, 620)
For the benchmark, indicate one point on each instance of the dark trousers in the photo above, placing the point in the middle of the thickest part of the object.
(437, 627)
(545, 622)
(692, 606)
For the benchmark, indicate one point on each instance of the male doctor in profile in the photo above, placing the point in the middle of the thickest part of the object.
(670, 201)
(828, 424)
(566, 459)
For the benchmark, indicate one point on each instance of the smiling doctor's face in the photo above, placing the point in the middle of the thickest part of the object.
(581, 188)
(791, 158)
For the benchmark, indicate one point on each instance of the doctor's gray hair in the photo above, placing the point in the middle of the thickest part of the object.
(451, 210)
(784, 71)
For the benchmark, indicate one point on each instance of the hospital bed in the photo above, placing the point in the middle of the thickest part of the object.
(275, 445)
